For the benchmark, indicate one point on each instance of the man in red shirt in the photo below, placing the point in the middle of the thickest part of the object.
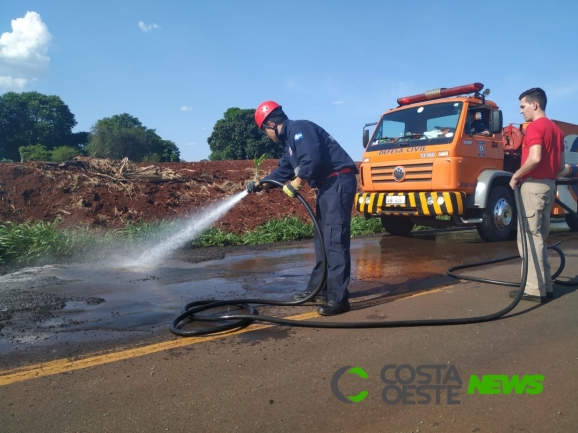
(542, 160)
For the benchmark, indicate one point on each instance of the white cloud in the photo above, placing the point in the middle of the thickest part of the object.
(12, 84)
(23, 51)
(147, 28)
(338, 102)
(185, 108)
(190, 143)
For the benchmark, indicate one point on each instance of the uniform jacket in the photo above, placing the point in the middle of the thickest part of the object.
(310, 153)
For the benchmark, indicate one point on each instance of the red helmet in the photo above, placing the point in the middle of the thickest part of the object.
(263, 110)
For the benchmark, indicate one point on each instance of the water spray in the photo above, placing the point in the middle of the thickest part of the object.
(185, 232)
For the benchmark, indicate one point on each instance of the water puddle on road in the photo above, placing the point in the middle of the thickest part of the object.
(138, 299)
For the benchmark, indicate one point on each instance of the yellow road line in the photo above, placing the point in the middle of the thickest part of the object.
(34, 371)
(427, 292)
(64, 365)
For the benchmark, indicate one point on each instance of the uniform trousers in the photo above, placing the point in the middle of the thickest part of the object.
(333, 214)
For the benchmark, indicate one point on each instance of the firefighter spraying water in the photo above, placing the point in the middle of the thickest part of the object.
(437, 154)
(312, 156)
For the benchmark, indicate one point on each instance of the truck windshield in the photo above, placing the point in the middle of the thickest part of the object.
(427, 124)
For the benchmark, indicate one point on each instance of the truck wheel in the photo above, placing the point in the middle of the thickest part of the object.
(572, 222)
(397, 226)
(499, 216)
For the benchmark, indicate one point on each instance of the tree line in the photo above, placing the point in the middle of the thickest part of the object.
(38, 127)
(236, 136)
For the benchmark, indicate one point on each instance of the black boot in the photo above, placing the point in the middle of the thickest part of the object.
(332, 308)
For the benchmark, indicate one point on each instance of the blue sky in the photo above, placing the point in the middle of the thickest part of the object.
(179, 65)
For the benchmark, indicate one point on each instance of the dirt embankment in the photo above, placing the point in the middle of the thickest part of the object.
(108, 193)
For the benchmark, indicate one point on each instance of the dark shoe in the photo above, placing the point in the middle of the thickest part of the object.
(531, 298)
(550, 295)
(332, 308)
(303, 295)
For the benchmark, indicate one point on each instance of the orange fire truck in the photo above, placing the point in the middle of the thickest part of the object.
(425, 164)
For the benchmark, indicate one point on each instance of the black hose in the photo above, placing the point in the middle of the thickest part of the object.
(236, 321)
(190, 313)
(553, 247)
(506, 283)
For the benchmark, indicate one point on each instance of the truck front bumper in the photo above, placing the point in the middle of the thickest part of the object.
(373, 204)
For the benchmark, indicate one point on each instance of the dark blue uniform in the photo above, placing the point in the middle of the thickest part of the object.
(312, 154)
(478, 126)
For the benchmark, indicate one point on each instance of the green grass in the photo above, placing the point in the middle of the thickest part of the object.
(287, 229)
(23, 244)
(143, 230)
(216, 237)
(28, 242)
(361, 226)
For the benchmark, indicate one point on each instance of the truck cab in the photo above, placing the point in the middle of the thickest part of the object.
(439, 159)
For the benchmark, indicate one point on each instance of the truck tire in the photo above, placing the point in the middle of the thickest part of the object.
(572, 222)
(499, 216)
(397, 226)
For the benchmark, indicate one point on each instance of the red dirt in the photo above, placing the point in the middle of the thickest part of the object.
(107, 194)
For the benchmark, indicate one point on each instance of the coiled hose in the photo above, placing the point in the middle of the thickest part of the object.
(234, 320)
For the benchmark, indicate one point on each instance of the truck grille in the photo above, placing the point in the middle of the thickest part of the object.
(383, 174)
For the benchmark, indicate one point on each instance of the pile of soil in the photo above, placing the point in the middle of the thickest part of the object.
(107, 194)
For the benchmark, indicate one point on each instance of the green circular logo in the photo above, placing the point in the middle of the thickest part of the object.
(358, 371)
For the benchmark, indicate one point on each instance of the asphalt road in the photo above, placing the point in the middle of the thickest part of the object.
(289, 379)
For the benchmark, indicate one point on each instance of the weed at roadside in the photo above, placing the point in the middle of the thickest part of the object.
(29, 243)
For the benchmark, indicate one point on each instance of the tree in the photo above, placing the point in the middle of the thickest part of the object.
(78, 140)
(63, 153)
(34, 152)
(237, 137)
(123, 135)
(116, 137)
(31, 118)
(170, 151)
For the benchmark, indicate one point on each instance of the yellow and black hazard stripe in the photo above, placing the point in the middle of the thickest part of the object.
(416, 203)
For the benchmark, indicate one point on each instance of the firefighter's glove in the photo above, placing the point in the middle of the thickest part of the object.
(254, 186)
(291, 188)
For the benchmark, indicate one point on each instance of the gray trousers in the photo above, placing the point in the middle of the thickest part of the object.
(538, 199)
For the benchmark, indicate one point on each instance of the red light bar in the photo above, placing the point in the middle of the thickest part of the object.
(440, 93)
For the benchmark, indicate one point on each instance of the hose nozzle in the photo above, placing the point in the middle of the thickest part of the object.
(253, 186)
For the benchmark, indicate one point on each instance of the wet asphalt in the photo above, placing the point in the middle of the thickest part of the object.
(106, 361)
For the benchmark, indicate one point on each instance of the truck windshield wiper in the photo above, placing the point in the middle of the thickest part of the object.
(405, 141)
(384, 140)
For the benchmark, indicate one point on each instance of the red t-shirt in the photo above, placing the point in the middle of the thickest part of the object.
(545, 132)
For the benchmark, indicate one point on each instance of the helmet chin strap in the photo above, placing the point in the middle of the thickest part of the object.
(274, 129)
(276, 132)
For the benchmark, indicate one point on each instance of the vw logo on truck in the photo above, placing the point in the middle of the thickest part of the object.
(399, 173)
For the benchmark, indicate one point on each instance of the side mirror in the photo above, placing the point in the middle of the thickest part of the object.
(365, 137)
(496, 121)
(366, 133)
